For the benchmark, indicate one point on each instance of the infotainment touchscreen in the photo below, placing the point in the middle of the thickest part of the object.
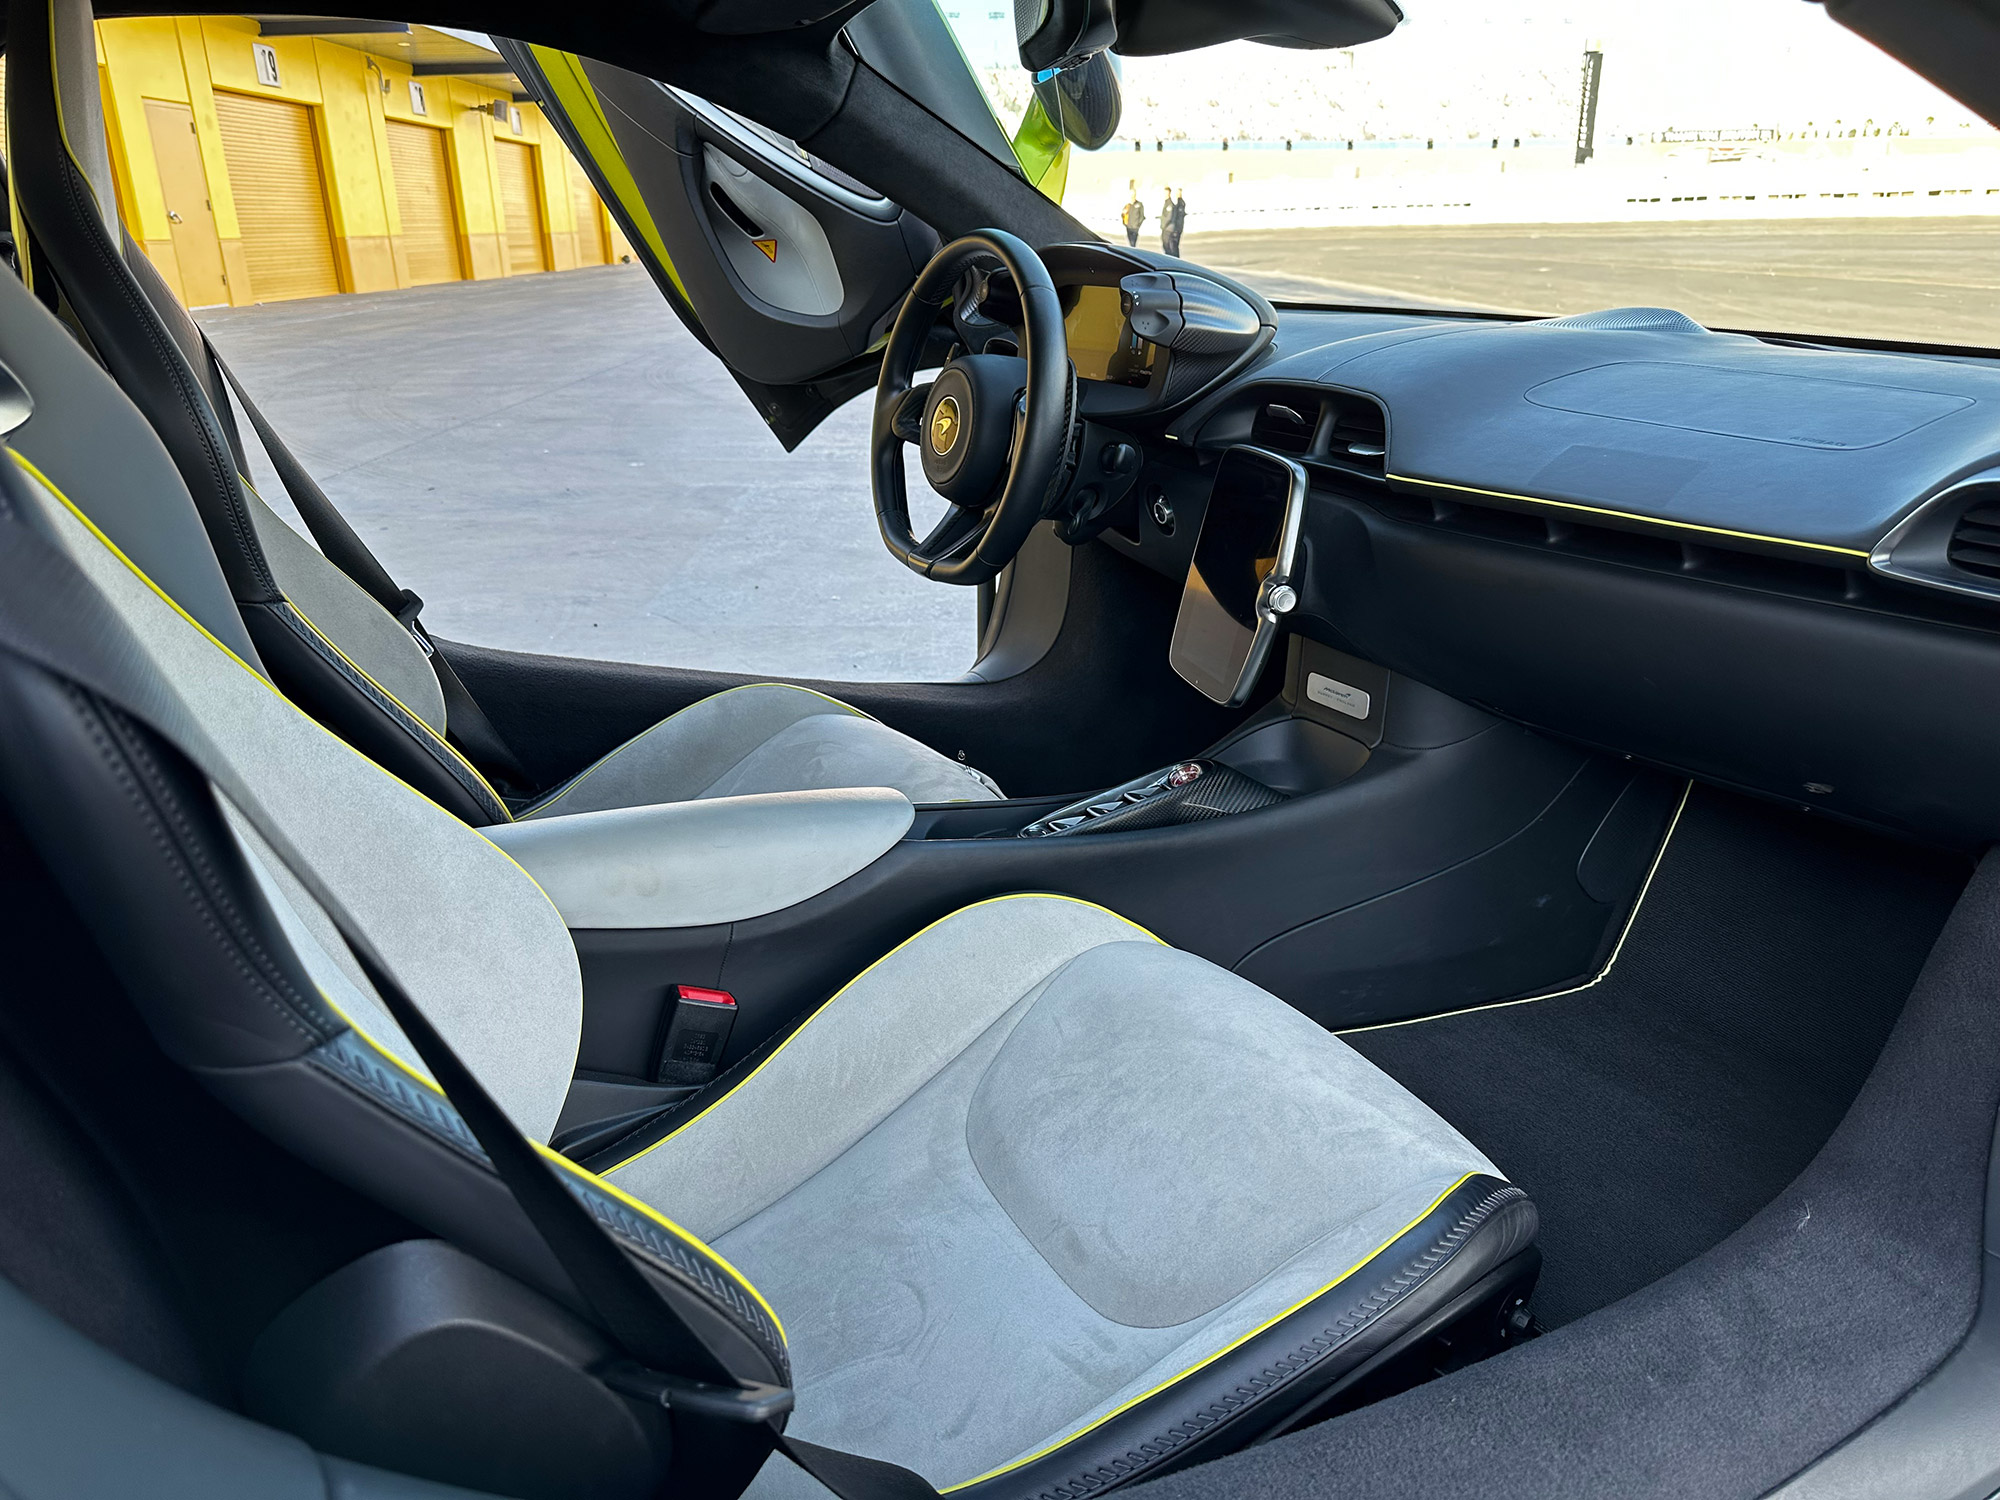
(1238, 582)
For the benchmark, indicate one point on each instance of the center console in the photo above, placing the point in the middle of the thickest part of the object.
(1186, 792)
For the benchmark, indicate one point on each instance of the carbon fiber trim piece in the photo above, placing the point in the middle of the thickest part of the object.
(1219, 792)
(353, 1061)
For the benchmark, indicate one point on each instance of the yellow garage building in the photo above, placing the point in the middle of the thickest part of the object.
(257, 162)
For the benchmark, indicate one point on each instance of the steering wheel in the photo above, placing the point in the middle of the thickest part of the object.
(996, 432)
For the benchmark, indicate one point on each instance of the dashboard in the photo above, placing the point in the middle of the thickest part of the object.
(1772, 565)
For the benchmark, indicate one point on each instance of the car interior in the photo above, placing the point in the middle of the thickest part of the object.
(1444, 941)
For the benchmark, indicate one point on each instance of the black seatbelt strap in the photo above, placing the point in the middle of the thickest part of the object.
(724, 1427)
(342, 546)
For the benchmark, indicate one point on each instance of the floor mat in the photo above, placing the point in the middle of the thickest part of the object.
(1652, 1114)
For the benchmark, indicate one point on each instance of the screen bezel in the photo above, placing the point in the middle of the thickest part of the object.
(1198, 605)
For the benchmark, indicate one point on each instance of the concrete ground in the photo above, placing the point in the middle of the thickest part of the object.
(1931, 280)
(556, 465)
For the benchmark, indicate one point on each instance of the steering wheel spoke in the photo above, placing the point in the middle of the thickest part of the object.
(908, 421)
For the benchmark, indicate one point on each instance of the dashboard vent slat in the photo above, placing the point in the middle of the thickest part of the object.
(1975, 540)
(1360, 435)
(1285, 424)
(1341, 433)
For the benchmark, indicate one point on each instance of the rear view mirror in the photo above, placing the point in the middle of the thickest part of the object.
(1061, 33)
(1085, 101)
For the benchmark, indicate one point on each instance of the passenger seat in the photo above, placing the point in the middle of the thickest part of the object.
(336, 648)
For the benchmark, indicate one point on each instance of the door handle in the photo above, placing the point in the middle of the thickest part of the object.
(174, 217)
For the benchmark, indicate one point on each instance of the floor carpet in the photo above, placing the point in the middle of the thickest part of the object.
(1650, 1115)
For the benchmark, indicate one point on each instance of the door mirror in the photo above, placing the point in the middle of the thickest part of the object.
(1084, 102)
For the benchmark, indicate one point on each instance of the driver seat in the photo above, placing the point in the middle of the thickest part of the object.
(322, 638)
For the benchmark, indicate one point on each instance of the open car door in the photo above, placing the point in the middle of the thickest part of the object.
(790, 270)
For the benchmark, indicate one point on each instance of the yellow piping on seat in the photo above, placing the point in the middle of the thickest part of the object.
(422, 1078)
(415, 717)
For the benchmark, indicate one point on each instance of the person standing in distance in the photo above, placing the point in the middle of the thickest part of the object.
(1167, 222)
(1177, 218)
(1135, 215)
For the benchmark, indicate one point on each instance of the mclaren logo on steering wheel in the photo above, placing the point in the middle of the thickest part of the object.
(944, 425)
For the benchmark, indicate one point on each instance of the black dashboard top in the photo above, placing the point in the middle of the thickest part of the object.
(1643, 413)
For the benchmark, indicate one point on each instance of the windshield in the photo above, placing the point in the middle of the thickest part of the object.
(1748, 162)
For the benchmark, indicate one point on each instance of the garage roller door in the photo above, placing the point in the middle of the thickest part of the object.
(590, 249)
(518, 204)
(423, 194)
(280, 201)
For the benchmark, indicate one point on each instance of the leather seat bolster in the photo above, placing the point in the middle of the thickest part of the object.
(181, 327)
(179, 914)
(318, 680)
(1480, 1225)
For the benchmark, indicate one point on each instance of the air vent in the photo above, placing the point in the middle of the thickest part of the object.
(1359, 435)
(1285, 424)
(1975, 540)
(1332, 429)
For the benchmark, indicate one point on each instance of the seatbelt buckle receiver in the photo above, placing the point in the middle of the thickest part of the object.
(749, 1404)
(697, 1033)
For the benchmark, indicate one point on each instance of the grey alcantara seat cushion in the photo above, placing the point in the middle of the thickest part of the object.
(1035, 1151)
(764, 737)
